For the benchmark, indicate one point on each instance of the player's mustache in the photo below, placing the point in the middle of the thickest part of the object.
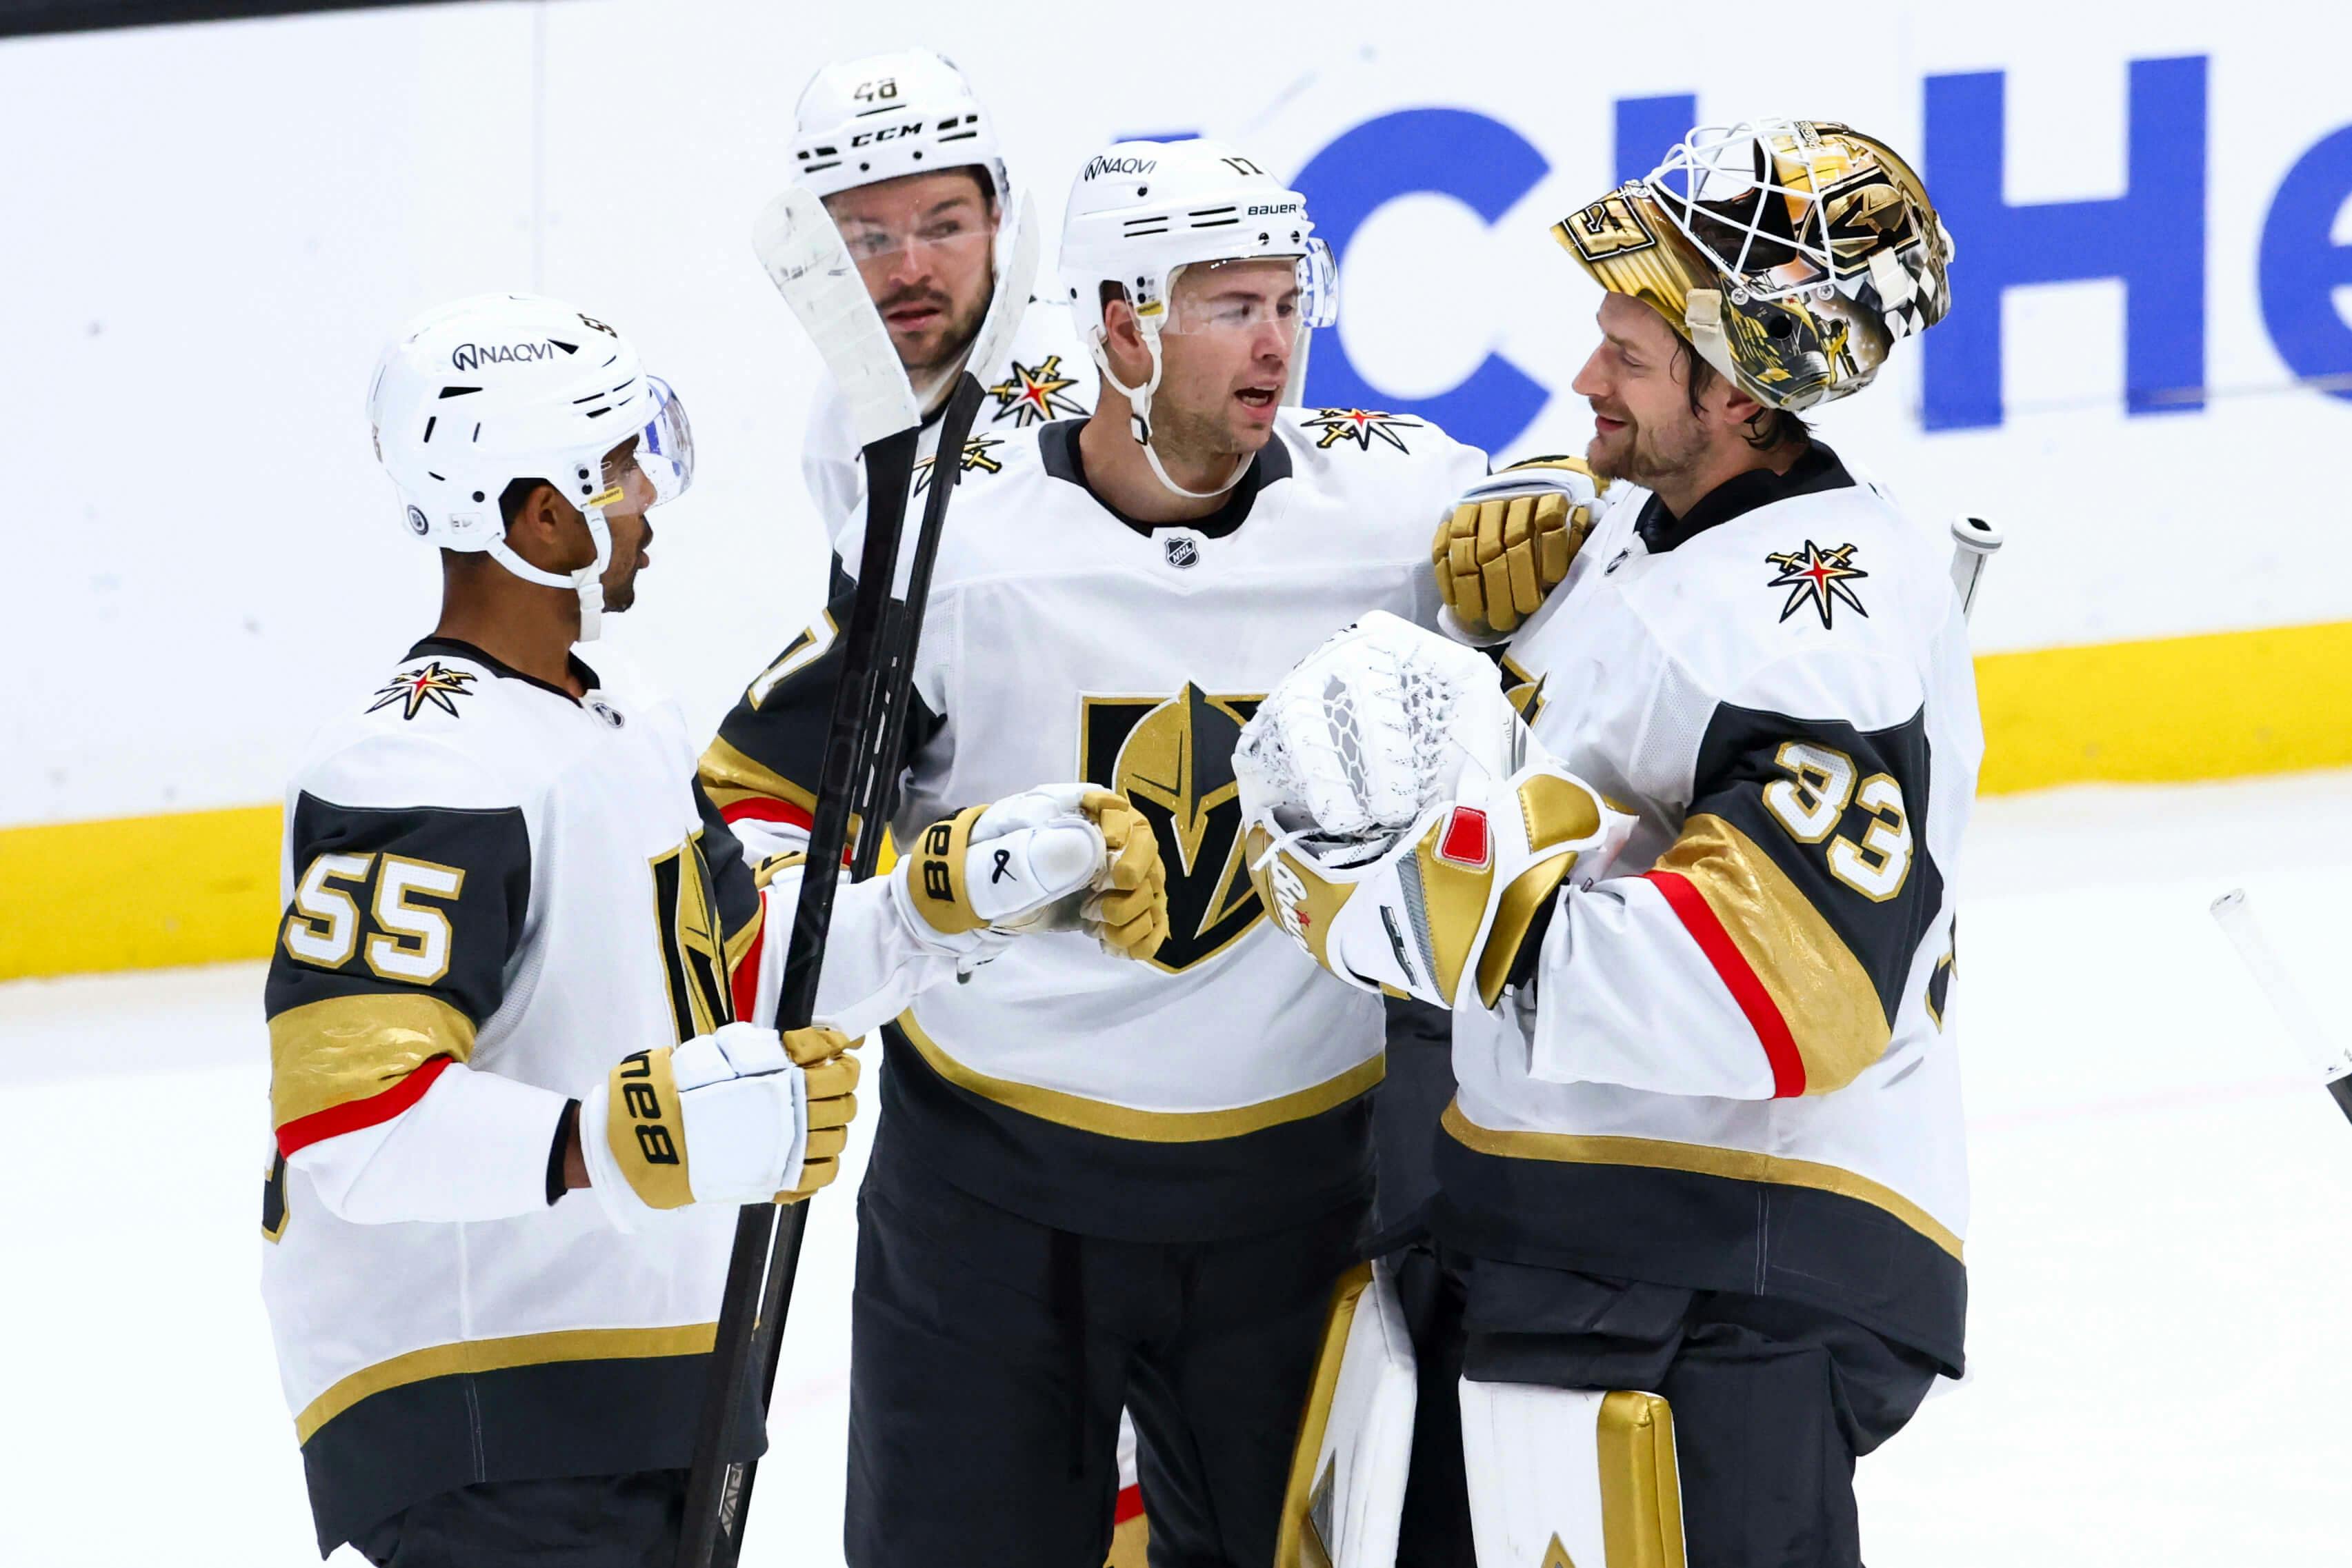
(931, 296)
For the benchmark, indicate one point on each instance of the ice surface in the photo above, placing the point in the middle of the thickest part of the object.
(2160, 1252)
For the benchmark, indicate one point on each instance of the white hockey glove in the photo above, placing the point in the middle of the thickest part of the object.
(1402, 826)
(1509, 541)
(738, 1115)
(1063, 857)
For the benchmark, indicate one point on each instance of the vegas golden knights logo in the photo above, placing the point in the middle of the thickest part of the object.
(1173, 757)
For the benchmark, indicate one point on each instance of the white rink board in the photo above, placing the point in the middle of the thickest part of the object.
(2162, 1244)
(220, 224)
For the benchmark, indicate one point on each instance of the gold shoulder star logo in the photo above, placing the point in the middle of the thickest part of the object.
(1359, 425)
(1818, 577)
(1033, 396)
(975, 456)
(429, 684)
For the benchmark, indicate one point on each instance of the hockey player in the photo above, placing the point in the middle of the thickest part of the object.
(909, 163)
(1092, 1182)
(1693, 918)
(521, 956)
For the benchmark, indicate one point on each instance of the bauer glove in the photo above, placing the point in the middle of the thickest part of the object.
(1064, 857)
(738, 1115)
(1510, 539)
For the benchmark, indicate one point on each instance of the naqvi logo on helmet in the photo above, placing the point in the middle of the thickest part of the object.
(473, 355)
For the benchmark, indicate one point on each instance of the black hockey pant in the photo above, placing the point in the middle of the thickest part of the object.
(1772, 1400)
(575, 1521)
(990, 1356)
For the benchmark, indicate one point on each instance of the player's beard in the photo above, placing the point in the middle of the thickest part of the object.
(1190, 437)
(1646, 455)
(936, 350)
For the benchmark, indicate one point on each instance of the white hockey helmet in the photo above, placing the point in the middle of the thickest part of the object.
(477, 394)
(1141, 211)
(885, 116)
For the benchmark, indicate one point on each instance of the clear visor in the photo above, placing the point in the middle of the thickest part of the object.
(658, 461)
(1243, 296)
(665, 448)
(959, 235)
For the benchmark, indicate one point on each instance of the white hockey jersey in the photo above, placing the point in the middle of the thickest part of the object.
(1219, 1088)
(1732, 1069)
(1046, 374)
(493, 894)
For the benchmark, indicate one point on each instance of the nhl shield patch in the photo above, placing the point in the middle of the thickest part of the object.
(1180, 550)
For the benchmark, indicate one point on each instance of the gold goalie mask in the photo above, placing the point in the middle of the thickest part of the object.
(1401, 824)
(1790, 252)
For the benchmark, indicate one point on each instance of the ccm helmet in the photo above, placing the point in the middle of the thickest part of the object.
(865, 120)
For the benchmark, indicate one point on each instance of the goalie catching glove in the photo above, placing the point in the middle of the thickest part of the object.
(1511, 541)
(1064, 857)
(1402, 826)
(738, 1115)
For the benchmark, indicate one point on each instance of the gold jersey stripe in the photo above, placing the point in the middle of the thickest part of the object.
(1823, 993)
(1145, 1127)
(730, 775)
(329, 1053)
(496, 1356)
(1700, 1159)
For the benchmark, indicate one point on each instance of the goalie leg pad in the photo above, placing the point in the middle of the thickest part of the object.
(1566, 1477)
(1348, 1472)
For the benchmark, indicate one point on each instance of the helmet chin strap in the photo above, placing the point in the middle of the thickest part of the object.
(588, 582)
(1139, 422)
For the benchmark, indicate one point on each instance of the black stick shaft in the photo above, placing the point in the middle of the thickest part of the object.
(892, 701)
(2341, 1090)
(713, 1508)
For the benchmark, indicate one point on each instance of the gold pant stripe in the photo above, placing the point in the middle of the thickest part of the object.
(1822, 991)
(1144, 1127)
(332, 1053)
(496, 1356)
(1701, 1159)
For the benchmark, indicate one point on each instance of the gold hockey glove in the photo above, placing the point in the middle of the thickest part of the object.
(1063, 857)
(1511, 541)
(832, 1081)
(730, 1116)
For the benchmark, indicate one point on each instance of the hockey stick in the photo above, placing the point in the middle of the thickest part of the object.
(894, 700)
(796, 241)
(809, 266)
(2329, 1057)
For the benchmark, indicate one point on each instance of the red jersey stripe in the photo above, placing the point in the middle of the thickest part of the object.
(1738, 978)
(764, 808)
(353, 1114)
